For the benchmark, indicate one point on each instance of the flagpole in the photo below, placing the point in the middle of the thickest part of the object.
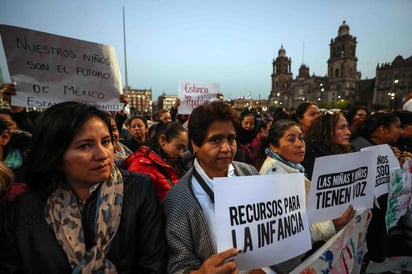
(125, 56)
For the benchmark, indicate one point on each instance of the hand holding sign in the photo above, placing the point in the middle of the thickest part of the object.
(220, 263)
(7, 92)
(344, 219)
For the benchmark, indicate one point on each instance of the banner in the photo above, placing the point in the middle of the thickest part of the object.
(350, 181)
(49, 69)
(193, 94)
(344, 252)
(400, 195)
(262, 216)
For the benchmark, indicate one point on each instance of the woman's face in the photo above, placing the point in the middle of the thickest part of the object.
(166, 117)
(248, 122)
(176, 147)
(115, 131)
(407, 131)
(311, 113)
(89, 158)
(138, 129)
(291, 145)
(360, 115)
(393, 132)
(342, 132)
(218, 149)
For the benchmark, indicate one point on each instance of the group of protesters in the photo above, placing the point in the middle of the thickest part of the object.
(87, 191)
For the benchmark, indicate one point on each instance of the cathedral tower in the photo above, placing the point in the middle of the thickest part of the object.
(281, 79)
(342, 63)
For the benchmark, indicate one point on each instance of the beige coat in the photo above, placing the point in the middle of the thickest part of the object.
(319, 231)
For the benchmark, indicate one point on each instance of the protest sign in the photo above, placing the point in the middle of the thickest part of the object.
(400, 195)
(193, 94)
(386, 162)
(49, 69)
(261, 216)
(336, 186)
(344, 252)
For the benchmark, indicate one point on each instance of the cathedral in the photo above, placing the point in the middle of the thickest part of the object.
(340, 82)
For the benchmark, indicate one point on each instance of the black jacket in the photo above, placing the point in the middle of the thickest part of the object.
(28, 243)
(313, 151)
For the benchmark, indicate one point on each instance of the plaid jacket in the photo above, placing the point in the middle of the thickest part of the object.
(186, 228)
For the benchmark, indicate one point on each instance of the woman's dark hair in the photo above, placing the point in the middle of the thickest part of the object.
(322, 131)
(159, 114)
(203, 116)
(53, 133)
(374, 121)
(170, 130)
(130, 120)
(276, 131)
(352, 112)
(245, 114)
(298, 114)
(3, 126)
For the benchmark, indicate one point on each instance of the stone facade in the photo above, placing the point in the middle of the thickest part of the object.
(140, 101)
(340, 83)
(393, 81)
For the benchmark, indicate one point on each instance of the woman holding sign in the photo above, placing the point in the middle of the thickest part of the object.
(384, 128)
(282, 152)
(189, 205)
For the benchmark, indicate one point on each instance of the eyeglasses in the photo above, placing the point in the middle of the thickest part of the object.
(327, 111)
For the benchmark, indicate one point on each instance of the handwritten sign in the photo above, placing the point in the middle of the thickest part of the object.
(400, 195)
(334, 187)
(261, 216)
(193, 94)
(344, 252)
(49, 69)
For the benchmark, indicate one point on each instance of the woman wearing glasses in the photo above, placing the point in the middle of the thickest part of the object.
(356, 115)
(189, 205)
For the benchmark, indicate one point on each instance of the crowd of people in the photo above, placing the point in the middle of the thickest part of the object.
(106, 193)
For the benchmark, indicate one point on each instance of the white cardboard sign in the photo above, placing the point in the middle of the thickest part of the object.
(194, 94)
(49, 69)
(262, 216)
(350, 180)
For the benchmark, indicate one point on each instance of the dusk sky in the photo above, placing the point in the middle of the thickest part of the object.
(229, 42)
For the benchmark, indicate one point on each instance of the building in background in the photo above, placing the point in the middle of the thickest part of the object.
(342, 67)
(339, 84)
(164, 101)
(140, 102)
(393, 81)
(243, 103)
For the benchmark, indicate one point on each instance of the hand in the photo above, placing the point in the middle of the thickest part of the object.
(123, 99)
(344, 219)
(7, 90)
(219, 263)
(400, 155)
(177, 103)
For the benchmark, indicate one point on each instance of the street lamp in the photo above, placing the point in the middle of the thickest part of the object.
(392, 97)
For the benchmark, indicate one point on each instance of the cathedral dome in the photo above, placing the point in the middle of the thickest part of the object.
(343, 29)
(281, 52)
